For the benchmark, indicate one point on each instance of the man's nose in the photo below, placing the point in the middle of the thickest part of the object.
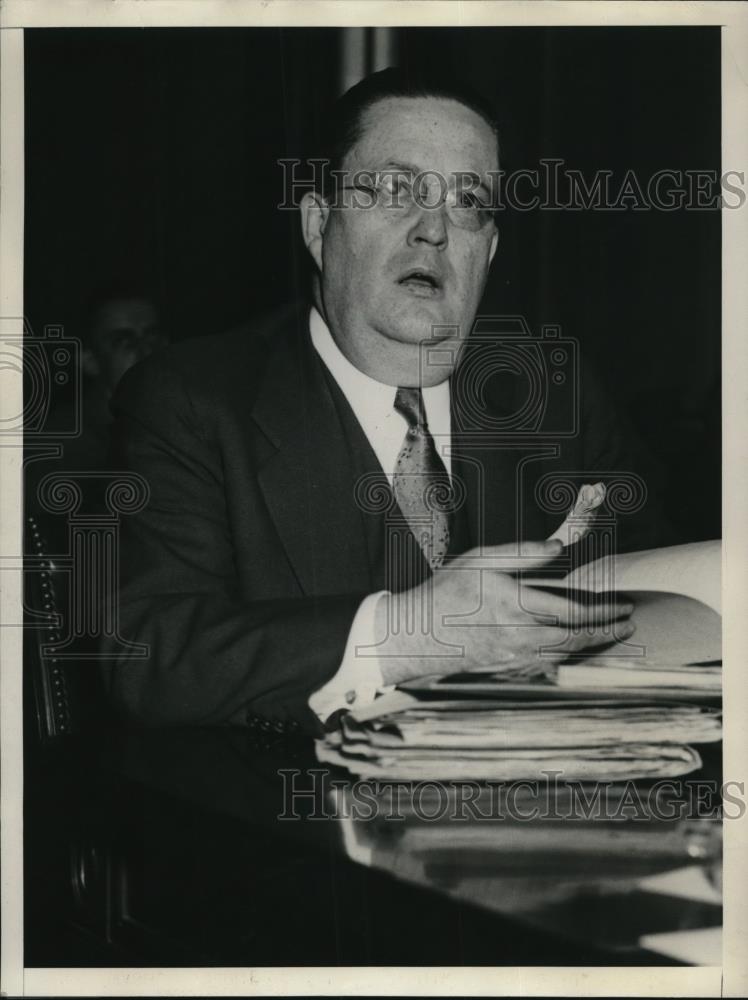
(429, 226)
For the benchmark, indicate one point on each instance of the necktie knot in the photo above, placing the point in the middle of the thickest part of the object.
(409, 402)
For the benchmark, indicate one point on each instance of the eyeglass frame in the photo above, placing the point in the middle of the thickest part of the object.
(376, 190)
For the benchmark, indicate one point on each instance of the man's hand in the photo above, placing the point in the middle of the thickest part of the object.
(474, 613)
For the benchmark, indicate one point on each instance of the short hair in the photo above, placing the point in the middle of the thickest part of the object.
(346, 122)
(122, 289)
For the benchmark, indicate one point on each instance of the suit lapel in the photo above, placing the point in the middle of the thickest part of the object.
(382, 523)
(307, 478)
(308, 473)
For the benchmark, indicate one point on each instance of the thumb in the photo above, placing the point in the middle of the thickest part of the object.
(514, 555)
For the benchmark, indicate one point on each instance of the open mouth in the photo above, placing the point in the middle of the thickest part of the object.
(422, 282)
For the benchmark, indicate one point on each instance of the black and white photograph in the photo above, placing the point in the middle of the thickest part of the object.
(376, 498)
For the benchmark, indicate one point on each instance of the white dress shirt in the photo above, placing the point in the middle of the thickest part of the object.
(359, 676)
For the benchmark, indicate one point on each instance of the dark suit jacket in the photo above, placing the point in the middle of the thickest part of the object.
(245, 569)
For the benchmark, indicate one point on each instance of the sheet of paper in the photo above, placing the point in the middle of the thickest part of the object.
(694, 570)
(483, 685)
(584, 764)
(671, 630)
(438, 726)
(686, 883)
(697, 947)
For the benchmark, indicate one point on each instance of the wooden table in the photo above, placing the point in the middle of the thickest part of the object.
(181, 847)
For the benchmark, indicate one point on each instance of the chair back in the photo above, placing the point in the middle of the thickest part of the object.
(64, 693)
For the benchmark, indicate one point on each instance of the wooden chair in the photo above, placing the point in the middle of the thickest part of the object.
(64, 695)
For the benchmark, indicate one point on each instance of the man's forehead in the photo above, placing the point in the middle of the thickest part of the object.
(120, 313)
(426, 133)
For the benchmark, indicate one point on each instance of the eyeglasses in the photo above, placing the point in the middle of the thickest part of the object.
(397, 192)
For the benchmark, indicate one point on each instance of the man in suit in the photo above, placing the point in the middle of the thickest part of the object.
(332, 507)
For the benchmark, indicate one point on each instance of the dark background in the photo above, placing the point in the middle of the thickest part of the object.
(152, 154)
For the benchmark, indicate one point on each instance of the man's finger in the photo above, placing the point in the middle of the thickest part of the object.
(548, 645)
(512, 557)
(577, 642)
(557, 607)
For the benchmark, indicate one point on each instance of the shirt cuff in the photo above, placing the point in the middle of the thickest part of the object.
(359, 675)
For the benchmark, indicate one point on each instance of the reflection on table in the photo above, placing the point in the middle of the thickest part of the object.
(203, 846)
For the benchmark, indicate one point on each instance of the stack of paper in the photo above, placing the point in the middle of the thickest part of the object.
(631, 709)
(404, 737)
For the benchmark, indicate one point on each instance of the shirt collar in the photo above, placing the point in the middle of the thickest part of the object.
(373, 403)
(356, 385)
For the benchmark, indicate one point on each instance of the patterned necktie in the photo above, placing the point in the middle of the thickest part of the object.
(421, 483)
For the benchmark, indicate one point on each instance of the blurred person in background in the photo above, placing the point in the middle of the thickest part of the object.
(120, 326)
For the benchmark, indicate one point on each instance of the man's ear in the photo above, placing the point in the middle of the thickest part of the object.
(494, 244)
(314, 215)
(89, 364)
